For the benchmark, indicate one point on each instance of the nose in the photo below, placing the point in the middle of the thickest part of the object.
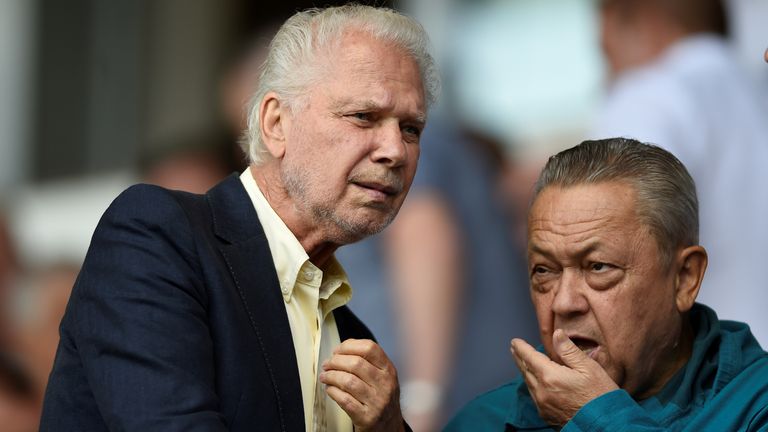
(569, 299)
(389, 148)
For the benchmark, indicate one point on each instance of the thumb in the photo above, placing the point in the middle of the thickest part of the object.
(568, 352)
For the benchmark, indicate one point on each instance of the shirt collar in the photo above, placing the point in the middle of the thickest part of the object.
(335, 290)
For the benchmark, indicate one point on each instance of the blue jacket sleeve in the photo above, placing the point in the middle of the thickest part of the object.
(760, 421)
(137, 319)
(613, 411)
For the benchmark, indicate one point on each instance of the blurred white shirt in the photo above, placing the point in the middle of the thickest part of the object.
(695, 102)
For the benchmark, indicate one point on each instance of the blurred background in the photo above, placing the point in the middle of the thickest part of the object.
(97, 95)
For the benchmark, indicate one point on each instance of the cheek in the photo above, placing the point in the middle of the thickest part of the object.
(413, 162)
(624, 328)
(414, 155)
(409, 174)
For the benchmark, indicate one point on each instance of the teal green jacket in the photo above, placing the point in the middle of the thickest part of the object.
(723, 387)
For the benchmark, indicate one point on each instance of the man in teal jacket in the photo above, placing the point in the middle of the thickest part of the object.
(615, 268)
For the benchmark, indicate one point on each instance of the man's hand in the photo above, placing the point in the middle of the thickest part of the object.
(362, 380)
(559, 391)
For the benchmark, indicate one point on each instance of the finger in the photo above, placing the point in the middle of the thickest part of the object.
(355, 409)
(568, 352)
(353, 364)
(519, 362)
(366, 349)
(525, 372)
(530, 378)
(349, 383)
(533, 360)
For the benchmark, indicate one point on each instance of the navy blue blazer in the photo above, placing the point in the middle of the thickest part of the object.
(176, 322)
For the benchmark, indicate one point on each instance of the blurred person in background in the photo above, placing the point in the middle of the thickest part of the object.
(9, 267)
(43, 296)
(452, 290)
(226, 311)
(676, 83)
(194, 164)
(19, 404)
(615, 268)
(33, 302)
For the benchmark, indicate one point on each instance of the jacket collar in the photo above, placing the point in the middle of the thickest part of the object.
(246, 252)
(522, 413)
(234, 219)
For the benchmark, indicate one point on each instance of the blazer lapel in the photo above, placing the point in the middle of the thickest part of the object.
(247, 254)
(350, 327)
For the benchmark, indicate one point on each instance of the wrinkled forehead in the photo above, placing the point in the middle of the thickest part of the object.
(572, 200)
(360, 57)
(582, 211)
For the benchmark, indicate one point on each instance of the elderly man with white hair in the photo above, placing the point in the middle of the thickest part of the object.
(226, 311)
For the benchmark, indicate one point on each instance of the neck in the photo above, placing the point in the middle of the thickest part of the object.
(312, 238)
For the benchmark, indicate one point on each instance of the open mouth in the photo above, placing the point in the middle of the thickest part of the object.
(588, 346)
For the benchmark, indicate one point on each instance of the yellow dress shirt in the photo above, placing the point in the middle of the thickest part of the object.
(310, 295)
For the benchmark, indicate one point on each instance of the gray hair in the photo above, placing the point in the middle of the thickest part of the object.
(666, 193)
(292, 64)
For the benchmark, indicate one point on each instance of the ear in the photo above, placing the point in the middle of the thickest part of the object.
(690, 264)
(273, 121)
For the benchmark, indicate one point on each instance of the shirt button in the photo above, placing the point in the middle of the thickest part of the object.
(309, 274)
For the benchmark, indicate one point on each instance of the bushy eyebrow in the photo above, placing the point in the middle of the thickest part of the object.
(533, 249)
(581, 252)
(369, 105)
(343, 104)
(419, 120)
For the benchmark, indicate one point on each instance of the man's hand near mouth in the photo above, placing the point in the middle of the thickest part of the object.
(560, 391)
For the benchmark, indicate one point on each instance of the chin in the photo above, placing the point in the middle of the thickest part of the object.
(349, 232)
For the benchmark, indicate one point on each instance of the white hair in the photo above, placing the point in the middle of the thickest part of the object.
(291, 66)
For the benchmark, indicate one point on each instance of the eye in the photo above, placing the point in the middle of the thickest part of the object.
(602, 276)
(411, 134)
(542, 278)
(541, 272)
(362, 116)
(412, 130)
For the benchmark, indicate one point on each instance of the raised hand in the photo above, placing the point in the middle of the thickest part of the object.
(560, 391)
(362, 380)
